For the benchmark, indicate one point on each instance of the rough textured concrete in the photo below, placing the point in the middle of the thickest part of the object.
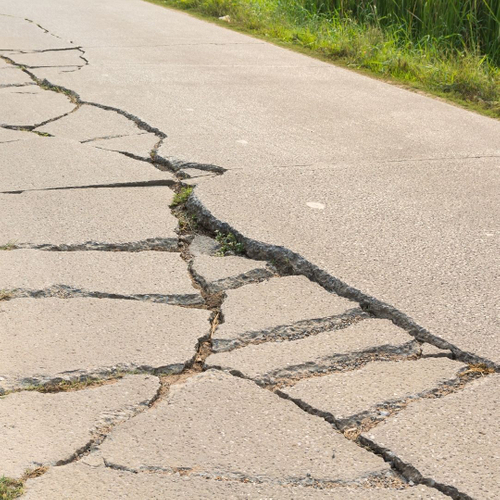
(45, 429)
(28, 106)
(79, 481)
(236, 429)
(454, 440)
(315, 354)
(48, 338)
(87, 215)
(219, 273)
(346, 394)
(124, 273)
(90, 122)
(252, 311)
(433, 254)
(48, 162)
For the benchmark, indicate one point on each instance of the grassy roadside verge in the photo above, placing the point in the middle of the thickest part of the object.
(384, 50)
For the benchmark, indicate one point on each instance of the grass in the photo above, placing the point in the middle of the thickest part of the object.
(10, 245)
(181, 197)
(229, 244)
(449, 48)
(10, 488)
(14, 488)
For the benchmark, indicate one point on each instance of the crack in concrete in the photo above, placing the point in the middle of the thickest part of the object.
(158, 244)
(137, 184)
(293, 331)
(290, 375)
(232, 282)
(285, 258)
(69, 292)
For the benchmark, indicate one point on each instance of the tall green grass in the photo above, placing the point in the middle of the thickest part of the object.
(473, 25)
(447, 47)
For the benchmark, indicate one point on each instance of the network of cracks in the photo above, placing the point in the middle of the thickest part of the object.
(182, 358)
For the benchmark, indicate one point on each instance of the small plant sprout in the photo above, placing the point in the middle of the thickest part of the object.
(181, 197)
(228, 244)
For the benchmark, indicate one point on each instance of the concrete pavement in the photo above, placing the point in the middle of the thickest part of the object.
(382, 204)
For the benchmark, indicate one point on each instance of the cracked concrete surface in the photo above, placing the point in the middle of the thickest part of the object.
(48, 339)
(275, 362)
(48, 429)
(448, 441)
(80, 216)
(51, 163)
(381, 201)
(237, 430)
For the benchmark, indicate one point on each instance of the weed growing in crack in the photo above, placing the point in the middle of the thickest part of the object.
(187, 223)
(182, 196)
(479, 369)
(229, 244)
(14, 488)
(10, 245)
(10, 488)
(6, 295)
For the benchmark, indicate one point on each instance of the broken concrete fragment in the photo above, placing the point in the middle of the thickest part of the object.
(69, 57)
(203, 245)
(139, 144)
(89, 216)
(252, 312)
(10, 75)
(91, 122)
(318, 354)
(47, 339)
(121, 273)
(356, 394)
(80, 481)
(49, 162)
(220, 273)
(453, 441)
(47, 429)
(29, 106)
(223, 426)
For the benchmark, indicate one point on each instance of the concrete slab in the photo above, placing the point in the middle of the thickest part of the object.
(433, 253)
(79, 216)
(79, 481)
(45, 339)
(203, 245)
(317, 354)
(453, 440)
(45, 429)
(10, 75)
(90, 122)
(124, 273)
(140, 144)
(29, 106)
(70, 57)
(345, 395)
(237, 430)
(49, 162)
(220, 273)
(252, 312)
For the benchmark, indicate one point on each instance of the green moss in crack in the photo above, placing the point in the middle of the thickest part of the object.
(181, 197)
